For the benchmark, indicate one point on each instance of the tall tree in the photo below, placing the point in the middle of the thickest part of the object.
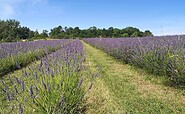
(9, 29)
(24, 33)
(148, 33)
(56, 31)
(44, 34)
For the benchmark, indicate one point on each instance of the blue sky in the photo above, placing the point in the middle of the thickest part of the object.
(162, 17)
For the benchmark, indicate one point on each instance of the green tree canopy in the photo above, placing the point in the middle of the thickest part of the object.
(93, 32)
(148, 33)
(11, 30)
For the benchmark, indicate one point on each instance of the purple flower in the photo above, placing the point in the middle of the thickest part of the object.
(17, 80)
(44, 84)
(4, 90)
(80, 83)
(31, 91)
(49, 88)
(36, 90)
(52, 73)
(18, 66)
(10, 79)
(8, 96)
(16, 89)
(90, 86)
(24, 72)
(62, 100)
(22, 85)
(20, 109)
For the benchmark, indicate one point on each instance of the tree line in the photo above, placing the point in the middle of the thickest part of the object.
(94, 32)
(11, 30)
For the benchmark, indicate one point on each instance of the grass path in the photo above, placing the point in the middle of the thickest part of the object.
(122, 88)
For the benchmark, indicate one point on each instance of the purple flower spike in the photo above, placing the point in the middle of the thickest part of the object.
(49, 88)
(10, 79)
(62, 100)
(4, 90)
(8, 96)
(16, 89)
(36, 90)
(18, 66)
(22, 85)
(80, 83)
(52, 73)
(17, 80)
(90, 86)
(44, 84)
(31, 91)
(20, 109)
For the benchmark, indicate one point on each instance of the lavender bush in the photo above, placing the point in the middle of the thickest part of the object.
(158, 55)
(15, 55)
(53, 86)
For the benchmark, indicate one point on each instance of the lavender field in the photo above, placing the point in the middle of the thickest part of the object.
(158, 55)
(50, 85)
(16, 55)
(94, 75)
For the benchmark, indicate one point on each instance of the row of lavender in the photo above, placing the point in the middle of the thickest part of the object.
(10, 49)
(53, 86)
(16, 55)
(158, 55)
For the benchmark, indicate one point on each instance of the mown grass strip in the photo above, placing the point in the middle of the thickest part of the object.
(118, 91)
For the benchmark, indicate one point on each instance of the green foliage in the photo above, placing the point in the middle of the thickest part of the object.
(56, 31)
(125, 35)
(135, 34)
(170, 63)
(94, 32)
(10, 30)
(148, 33)
(44, 34)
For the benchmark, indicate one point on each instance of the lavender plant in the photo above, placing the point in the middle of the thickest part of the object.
(15, 55)
(158, 55)
(53, 86)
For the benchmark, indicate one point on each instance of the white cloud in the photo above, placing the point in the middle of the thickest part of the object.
(9, 8)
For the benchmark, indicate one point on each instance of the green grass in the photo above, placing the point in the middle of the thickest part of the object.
(122, 88)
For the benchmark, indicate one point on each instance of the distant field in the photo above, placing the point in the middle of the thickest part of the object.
(95, 75)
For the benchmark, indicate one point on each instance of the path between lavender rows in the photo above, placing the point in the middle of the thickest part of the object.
(122, 88)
